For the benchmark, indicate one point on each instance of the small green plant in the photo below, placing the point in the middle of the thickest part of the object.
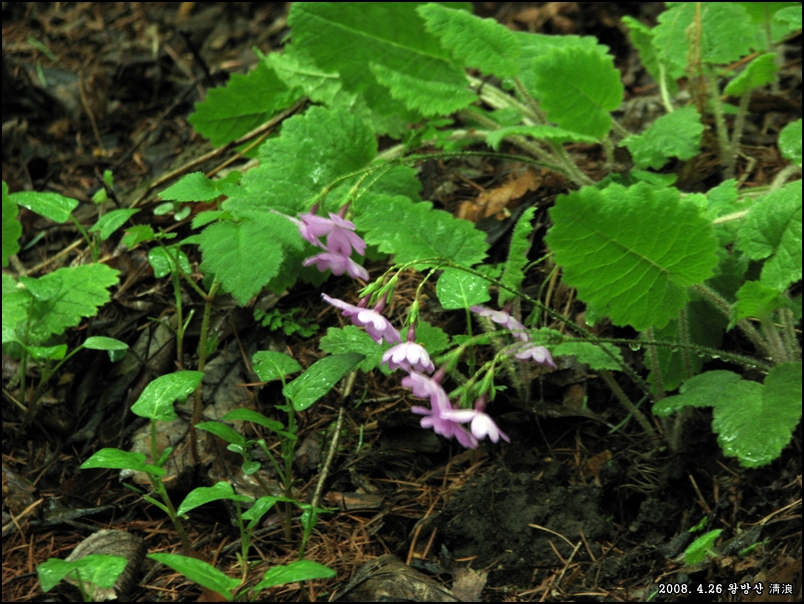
(275, 320)
(88, 574)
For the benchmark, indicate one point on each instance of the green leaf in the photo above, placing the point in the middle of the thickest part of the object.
(162, 263)
(513, 272)
(48, 353)
(247, 101)
(358, 40)
(772, 230)
(260, 507)
(100, 570)
(481, 43)
(459, 289)
(757, 300)
(269, 365)
(103, 343)
(676, 134)
(757, 73)
(224, 432)
(241, 255)
(353, 339)
(577, 88)
(115, 459)
(201, 572)
(202, 495)
(754, 422)
(698, 549)
(789, 142)
(50, 205)
(703, 390)
(430, 98)
(782, 17)
(156, 401)
(111, 221)
(641, 37)
(786, 20)
(319, 379)
(334, 141)
(300, 570)
(72, 294)
(197, 187)
(727, 34)
(137, 234)
(415, 231)
(247, 415)
(590, 354)
(547, 133)
(632, 253)
(434, 339)
(12, 229)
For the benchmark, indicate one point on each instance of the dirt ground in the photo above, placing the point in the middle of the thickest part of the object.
(580, 506)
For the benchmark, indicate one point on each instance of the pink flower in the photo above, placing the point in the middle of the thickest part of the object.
(426, 387)
(377, 326)
(537, 354)
(338, 264)
(504, 319)
(409, 355)
(482, 424)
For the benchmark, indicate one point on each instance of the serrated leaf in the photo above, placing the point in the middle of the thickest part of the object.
(77, 292)
(777, 15)
(757, 73)
(161, 261)
(641, 37)
(632, 253)
(727, 34)
(459, 289)
(434, 339)
(353, 339)
(111, 221)
(334, 142)
(319, 379)
(702, 390)
(12, 229)
(203, 495)
(242, 256)
(754, 422)
(547, 133)
(428, 97)
(577, 88)
(246, 102)
(676, 134)
(790, 142)
(300, 570)
(481, 43)
(201, 572)
(590, 354)
(270, 365)
(415, 231)
(156, 401)
(197, 187)
(772, 230)
(513, 274)
(757, 300)
(50, 205)
(347, 38)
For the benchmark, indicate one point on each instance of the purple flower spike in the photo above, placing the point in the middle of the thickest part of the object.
(338, 264)
(537, 354)
(377, 326)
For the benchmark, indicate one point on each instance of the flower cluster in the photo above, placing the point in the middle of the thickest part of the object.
(341, 240)
(441, 416)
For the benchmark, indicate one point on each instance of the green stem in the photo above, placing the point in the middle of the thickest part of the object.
(736, 135)
(789, 335)
(203, 347)
(626, 402)
(159, 488)
(654, 366)
(720, 122)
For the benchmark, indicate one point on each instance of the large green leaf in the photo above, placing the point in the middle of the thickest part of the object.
(12, 229)
(156, 401)
(353, 339)
(50, 205)
(246, 102)
(676, 134)
(415, 231)
(350, 38)
(632, 253)
(319, 379)
(578, 88)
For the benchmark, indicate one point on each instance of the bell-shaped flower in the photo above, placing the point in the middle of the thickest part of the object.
(537, 354)
(435, 416)
(482, 425)
(409, 355)
(377, 326)
(338, 264)
(503, 318)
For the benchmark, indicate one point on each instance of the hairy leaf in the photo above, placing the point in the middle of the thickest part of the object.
(197, 187)
(790, 142)
(513, 274)
(757, 73)
(631, 253)
(676, 134)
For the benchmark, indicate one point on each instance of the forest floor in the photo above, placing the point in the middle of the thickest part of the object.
(580, 506)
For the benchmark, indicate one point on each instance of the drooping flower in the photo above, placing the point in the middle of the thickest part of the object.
(504, 319)
(338, 264)
(537, 354)
(435, 416)
(409, 355)
(482, 424)
(377, 326)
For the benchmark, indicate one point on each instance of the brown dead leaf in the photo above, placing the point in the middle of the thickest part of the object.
(496, 201)
(468, 584)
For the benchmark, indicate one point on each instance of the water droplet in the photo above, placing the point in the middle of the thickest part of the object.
(635, 346)
(674, 349)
